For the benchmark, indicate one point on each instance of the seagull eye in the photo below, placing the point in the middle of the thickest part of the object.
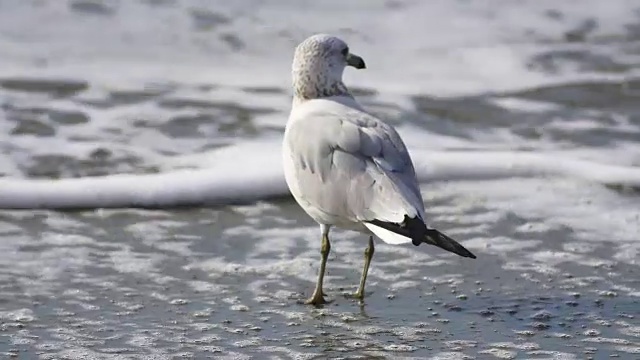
(345, 51)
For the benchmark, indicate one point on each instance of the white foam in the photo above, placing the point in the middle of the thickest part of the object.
(253, 170)
(469, 165)
(445, 47)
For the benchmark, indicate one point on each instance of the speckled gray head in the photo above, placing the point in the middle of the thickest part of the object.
(318, 64)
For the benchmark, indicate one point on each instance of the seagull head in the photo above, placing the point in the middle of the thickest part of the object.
(318, 64)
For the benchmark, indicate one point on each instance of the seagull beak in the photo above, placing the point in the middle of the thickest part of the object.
(355, 61)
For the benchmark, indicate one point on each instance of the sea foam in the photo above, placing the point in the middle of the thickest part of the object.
(252, 171)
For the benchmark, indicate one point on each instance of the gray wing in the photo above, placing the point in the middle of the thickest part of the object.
(350, 164)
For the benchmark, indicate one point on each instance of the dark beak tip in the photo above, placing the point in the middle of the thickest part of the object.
(356, 62)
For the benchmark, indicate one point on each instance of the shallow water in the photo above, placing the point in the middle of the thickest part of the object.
(229, 283)
(93, 87)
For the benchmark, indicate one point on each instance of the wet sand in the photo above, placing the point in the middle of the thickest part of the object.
(228, 283)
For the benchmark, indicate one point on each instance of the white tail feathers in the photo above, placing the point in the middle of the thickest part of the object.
(387, 236)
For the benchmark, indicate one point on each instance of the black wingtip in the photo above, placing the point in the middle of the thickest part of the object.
(435, 237)
(418, 232)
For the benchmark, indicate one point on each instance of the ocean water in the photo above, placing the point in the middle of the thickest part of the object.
(144, 211)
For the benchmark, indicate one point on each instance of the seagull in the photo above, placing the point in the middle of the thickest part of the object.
(345, 167)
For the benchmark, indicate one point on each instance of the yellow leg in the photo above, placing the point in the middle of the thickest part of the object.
(318, 296)
(368, 254)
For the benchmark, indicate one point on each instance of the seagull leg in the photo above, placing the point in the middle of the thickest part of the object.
(318, 296)
(368, 254)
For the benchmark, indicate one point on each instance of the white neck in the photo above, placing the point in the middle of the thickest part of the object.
(306, 89)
